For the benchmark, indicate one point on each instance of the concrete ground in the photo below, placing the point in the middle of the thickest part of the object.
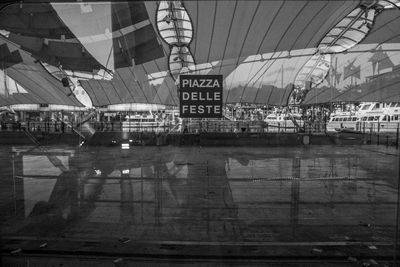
(198, 206)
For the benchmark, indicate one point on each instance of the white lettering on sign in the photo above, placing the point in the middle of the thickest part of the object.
(217, 96)
(202, 96)
(185, 96)
(194, 109)
(185, 82)
(210, 83)
(201, 109)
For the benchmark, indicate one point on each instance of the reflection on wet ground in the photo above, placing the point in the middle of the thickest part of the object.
(189, 194)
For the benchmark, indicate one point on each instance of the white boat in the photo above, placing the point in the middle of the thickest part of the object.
(283, 122)
(143, 123)
(375, 117)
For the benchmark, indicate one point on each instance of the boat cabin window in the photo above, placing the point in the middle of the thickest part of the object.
(364, 118)
(365, 107)
(133, 119)
(370, 118)
(354, 119)
(395, 117)
(386, 118)
(376, 106)
(377, 118)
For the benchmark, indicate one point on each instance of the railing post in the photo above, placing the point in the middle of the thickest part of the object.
(370, 135)
(397, 136)
(377, 140)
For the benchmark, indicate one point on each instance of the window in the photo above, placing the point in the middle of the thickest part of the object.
(366, 107)
(354, 118)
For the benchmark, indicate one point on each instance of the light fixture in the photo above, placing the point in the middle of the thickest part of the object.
(181, 31)
(125, 146)
(65, 82)
(180, 60)
(167, 19)
(177, 35)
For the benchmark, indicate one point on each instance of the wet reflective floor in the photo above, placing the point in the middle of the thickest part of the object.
(212, 199)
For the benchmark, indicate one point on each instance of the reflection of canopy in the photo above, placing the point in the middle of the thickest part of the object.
(83, 37)
(28, 82)
(351, 71)
(382, 88)
(381, 59)
(227, 35)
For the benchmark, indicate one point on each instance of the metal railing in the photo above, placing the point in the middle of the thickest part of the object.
(33, 126)
(187, 126)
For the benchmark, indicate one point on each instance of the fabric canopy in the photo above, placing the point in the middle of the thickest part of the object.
(258, 46)
(29, 83)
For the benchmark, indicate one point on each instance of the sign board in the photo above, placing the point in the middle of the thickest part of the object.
(200, 96)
